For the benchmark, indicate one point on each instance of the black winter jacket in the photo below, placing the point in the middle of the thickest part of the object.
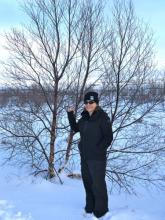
(95, 133)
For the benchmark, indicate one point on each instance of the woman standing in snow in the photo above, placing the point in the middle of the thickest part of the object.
(95, 137)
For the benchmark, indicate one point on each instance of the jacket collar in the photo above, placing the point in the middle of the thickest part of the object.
(98, 110)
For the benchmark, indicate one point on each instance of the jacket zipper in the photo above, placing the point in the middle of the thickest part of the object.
(85, 126)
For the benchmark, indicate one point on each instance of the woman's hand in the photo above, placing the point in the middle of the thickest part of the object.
(72, 120)
(71, 109)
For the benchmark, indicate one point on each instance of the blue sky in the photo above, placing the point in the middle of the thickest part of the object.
(151, 11)
(10, 13)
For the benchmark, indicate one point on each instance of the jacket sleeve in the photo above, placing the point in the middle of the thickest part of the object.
(72, 121)
(106, 128)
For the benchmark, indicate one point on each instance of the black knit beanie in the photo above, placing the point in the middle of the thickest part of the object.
(91, 96)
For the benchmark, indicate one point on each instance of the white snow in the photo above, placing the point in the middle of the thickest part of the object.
(7, 212)
(23, 197)
(27, 198)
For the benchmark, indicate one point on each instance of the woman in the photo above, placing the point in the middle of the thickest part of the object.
(95, 137)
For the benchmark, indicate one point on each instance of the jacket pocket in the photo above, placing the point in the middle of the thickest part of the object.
(100, 149)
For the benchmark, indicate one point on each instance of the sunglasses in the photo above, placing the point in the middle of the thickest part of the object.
(89, 102)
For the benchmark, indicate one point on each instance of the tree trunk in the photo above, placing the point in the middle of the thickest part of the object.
(51, 169)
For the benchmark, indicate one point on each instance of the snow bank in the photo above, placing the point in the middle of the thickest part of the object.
(7, 212)
(42, 200)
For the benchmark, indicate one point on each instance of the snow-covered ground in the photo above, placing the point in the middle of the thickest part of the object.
(23, 197)
(27, 198)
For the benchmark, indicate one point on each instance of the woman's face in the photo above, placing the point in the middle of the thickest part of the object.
(90, 107)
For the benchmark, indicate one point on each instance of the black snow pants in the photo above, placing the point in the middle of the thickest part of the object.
(93, 176)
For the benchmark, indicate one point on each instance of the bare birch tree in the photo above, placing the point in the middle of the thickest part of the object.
(135, 153)
(57, 51)
(67, 48)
